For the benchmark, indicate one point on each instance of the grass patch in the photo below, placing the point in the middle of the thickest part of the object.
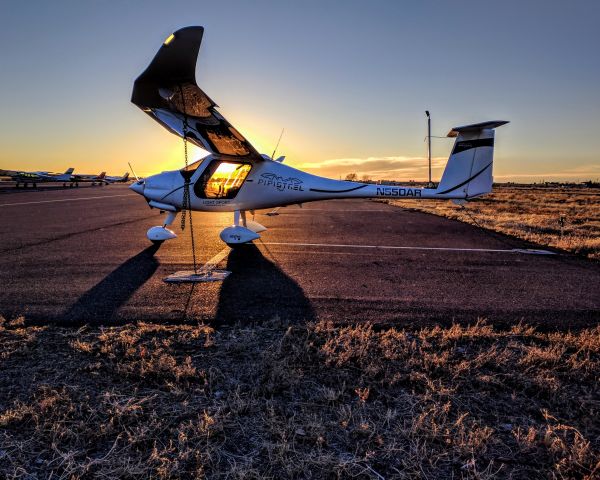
(289, 401)
(532, 214)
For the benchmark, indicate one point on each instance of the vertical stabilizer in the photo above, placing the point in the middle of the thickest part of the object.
(469, 169)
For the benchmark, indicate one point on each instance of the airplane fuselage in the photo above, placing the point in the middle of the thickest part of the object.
(268, 184)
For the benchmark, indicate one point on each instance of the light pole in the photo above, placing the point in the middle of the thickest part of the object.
(429, 184)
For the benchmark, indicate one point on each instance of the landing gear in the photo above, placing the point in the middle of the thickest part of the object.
(237, 234)
(157, 235)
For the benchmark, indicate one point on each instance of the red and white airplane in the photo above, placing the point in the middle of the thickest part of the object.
(236, 178)
(89, 178)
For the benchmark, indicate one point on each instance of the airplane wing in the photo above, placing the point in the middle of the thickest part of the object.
(168, 92)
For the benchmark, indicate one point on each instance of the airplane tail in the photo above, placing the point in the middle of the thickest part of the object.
(469, 168)
(102, 175)
(69, 171)
(125, 177)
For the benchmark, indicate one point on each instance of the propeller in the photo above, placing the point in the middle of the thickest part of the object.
(133, 171)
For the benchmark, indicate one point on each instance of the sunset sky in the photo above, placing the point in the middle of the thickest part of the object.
(348, 80)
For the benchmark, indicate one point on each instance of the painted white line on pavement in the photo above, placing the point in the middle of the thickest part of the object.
(308, 210)
(214, 261)
(66, 200)
(391, 247)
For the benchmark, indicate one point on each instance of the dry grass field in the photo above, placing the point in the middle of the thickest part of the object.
(533, 214)
(298, 401)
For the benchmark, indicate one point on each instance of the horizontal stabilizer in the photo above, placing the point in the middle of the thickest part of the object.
(476, 127)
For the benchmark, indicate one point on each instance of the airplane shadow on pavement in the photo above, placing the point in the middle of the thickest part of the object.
(100, 304)
(259, 290)
(256, 291)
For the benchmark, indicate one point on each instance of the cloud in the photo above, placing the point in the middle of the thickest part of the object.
(377, 167)
(578, 172)
(415, 168)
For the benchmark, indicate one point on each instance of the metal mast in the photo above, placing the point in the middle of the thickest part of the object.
(430, 184)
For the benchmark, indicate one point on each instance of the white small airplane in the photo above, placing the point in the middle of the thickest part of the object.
(25, 178)
(236, 178)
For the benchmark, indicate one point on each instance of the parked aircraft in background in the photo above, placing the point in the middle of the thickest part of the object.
(21, 177)
(87, 178)
(112, 179)
(25, 178)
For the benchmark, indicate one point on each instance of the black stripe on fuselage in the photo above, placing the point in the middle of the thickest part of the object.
(173, 191)
(337, 191)
(469, 144)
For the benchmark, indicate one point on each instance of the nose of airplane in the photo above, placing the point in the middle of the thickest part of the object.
(138, 187)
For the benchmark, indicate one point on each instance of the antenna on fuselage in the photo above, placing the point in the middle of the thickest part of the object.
(277, 145)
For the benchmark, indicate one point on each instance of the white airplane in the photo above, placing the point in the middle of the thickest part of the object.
(236, 178)
(21, 177)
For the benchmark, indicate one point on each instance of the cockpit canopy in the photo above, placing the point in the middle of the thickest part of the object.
(220, 179)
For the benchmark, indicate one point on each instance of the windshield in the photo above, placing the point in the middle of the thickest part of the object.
(188, 171)
(222, 180)
(192, 166)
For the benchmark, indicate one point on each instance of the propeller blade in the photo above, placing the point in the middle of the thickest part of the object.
(133, 171)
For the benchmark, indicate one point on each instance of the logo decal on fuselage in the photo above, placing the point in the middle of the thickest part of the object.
(280, 183)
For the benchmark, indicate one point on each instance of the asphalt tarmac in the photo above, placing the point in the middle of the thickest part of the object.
(74, 256)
